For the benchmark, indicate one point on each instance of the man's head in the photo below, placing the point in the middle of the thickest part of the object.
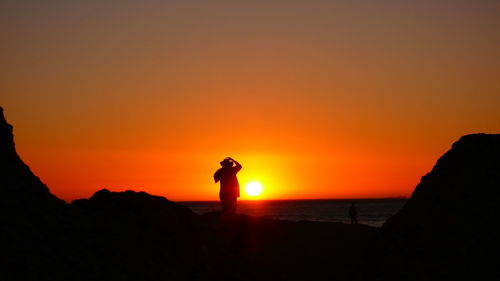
(226, 163)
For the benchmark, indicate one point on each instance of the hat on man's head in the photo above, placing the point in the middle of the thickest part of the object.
(226, 163)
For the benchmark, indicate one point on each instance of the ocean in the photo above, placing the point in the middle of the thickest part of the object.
(373, 212)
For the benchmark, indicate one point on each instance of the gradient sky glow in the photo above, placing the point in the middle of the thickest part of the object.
(316, 99)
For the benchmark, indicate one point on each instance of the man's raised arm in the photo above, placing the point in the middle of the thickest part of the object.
(237, 165)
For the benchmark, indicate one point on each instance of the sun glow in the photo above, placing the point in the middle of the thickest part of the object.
(254, 188)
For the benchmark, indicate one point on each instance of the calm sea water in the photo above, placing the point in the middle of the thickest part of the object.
(372, 212)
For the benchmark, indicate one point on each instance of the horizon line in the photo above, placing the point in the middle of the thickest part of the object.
(303, 199)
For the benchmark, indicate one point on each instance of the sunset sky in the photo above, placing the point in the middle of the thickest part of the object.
(316, 99)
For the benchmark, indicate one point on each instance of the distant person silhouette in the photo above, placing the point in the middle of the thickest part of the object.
(229, 186)
(353, 213)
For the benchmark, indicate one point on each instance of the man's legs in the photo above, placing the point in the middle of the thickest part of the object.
(228, 204)
(224, 204)
(233, 205)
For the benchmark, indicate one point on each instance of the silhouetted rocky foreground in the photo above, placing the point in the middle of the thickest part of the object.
(446, 231)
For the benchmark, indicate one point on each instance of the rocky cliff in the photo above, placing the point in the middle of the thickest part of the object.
(20, 190)
(449, 226)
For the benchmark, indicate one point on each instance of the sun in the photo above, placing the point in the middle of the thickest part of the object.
(254, 188)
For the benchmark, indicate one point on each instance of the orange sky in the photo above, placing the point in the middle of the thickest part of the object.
(316, 99)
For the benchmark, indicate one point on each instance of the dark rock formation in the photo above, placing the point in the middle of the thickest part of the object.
(449, 225)
(30, 218)
(20, 190)
(136, 236)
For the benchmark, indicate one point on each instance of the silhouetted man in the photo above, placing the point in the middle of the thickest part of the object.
(229, 186)
(353, 213)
